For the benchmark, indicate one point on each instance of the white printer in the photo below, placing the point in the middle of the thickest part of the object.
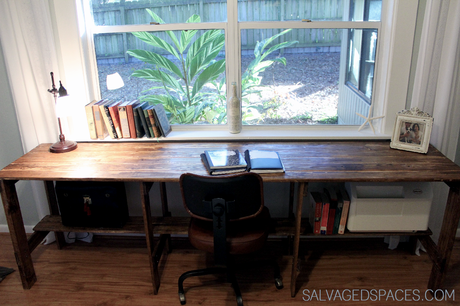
(389, 207)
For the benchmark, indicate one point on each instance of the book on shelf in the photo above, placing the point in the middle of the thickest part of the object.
(262, 161)
(345, 209)
(123, 115)
(331, 203)
(113, 110)
(153, 123)
(137, 122)
(90, 119)
(101, 129)
(331, 195)
(225, 159)
(140, 110)
(148, 121)
(130, 114)
(161, 119)
(338, 212)
(105, 113)
(324, 214)
(219, 171)
(315, 206)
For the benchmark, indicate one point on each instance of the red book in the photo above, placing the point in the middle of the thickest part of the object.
(316, 205)
(113, 109)
(332, 209)
(130, 115)
(324, 214)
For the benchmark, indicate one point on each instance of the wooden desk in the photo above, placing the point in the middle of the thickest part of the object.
(147, 163)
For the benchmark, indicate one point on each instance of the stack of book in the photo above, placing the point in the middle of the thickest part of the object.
(328, 210)
(126, 119)
(232, 161)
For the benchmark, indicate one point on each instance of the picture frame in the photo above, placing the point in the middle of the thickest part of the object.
(412, 131)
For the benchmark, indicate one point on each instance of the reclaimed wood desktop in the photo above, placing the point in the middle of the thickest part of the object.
(151, 162)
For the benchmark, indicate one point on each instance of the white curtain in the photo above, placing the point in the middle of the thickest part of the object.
(436, 84)
(30, 55)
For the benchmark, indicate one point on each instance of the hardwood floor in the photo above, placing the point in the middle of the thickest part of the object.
(351, 272)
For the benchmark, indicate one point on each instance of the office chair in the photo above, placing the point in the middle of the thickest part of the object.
(228, 217)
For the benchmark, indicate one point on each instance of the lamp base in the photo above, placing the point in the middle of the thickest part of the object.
(63, 146)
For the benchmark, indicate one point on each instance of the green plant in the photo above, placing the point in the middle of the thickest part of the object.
(184, 99)
(253, 110)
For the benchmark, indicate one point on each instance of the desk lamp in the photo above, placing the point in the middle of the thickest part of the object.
(62, 102)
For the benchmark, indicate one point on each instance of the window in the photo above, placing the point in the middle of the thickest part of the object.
(362, 46)
(278, 89)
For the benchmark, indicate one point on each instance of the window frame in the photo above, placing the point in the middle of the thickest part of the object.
(398, 21)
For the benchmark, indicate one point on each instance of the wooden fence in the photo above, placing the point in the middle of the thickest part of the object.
(174, 11)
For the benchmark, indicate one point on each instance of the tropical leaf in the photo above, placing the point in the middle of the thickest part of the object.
(156, 42)
(170, 33)
(209, 74)
(156, 59)
(279, 46)
(187, 36)
(267, 41)
(202, 42)
(155, 16)
(206, 55)
(158, 76)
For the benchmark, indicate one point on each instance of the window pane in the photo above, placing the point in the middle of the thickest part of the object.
(365, 10)
(190, 84)
(284, 10)
(368, 62)
(362, 46)
(296, 83)
(119, 12)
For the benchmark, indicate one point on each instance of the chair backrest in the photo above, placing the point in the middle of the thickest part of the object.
(242, 193)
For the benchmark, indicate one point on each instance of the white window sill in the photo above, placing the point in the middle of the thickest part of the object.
(253, 133)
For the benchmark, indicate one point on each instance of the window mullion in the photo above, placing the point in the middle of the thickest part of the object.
(232, 52)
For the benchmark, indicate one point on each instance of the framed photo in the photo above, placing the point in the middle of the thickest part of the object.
(412, 131)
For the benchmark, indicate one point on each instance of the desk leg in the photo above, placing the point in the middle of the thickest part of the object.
(54, 210)
(145, 198)
(166, 213)
(295, 260)
(18, 233)
(446, 238)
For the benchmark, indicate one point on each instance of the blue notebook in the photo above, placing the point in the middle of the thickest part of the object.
(261, 161)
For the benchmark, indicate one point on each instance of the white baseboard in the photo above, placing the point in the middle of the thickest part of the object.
(4, 228)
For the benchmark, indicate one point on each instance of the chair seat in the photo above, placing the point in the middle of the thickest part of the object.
(243, 236)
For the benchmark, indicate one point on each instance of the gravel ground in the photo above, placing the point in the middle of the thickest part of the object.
(304, 91)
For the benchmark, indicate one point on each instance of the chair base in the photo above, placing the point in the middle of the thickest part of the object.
(231, 278)
(214, 270)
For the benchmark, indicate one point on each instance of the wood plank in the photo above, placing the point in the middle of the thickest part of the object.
(119, 275)
(164, 162)
(179, 226)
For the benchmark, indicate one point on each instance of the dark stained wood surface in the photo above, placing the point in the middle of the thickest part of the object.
(304, 162)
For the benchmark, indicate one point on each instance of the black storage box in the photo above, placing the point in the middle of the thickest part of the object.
(92, 204)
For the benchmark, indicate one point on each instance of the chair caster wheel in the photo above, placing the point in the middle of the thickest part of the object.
(182, 298)
(239, 301)
(279, 283)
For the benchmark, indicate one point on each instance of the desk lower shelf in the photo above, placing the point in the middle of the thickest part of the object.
(179, 226)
